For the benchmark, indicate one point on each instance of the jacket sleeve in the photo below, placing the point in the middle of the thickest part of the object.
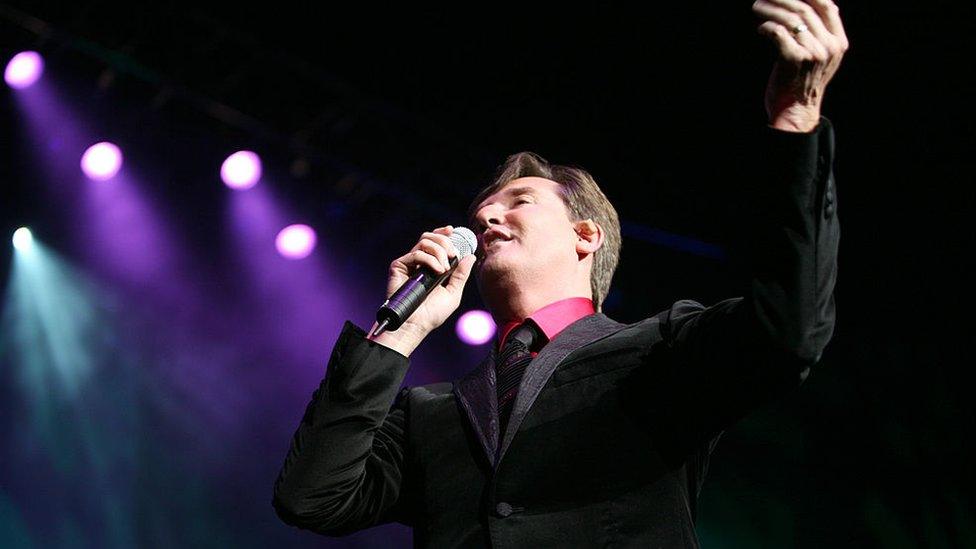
(730, 358)
(347, 468)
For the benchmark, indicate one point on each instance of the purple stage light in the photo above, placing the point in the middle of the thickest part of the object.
(241, 170)
(24, 69)
(295, 241)
(101, 161)
(475, 327)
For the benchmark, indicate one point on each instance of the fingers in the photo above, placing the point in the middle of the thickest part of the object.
(438, 244)
(461, 273)
(792, 13)
(780, 24)
(434, 250)
(408, 262)
(830, 14)
(786, 42)
(820, 18)
(823, 19)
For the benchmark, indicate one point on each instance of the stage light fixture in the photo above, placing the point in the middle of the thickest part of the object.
(241, 170)
(23, 239)
(101, 161)
(295, 241)
(475, 327)
(24, 69)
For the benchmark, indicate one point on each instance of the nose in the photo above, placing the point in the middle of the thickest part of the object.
(489, 215)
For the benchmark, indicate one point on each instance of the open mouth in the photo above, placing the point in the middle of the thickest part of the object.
(494, 243)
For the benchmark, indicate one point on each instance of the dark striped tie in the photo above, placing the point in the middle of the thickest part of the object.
(509, 366)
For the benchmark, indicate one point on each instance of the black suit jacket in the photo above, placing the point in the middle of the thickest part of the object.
(610, 434)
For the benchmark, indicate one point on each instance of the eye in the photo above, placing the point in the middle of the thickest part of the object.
(522, 201)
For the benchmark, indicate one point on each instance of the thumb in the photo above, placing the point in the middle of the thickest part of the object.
(461, 273)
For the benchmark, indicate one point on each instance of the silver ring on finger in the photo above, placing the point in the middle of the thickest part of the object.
(797, 29)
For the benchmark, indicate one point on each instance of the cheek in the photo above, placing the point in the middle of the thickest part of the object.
(555, 248)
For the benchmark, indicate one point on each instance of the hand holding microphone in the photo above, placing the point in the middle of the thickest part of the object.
(425, 286)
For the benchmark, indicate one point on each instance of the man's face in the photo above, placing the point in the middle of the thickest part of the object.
(525, 234)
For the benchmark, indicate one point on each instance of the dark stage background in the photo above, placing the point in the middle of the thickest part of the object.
(154, 364)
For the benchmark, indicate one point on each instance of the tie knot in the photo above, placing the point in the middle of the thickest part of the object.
(524, 333)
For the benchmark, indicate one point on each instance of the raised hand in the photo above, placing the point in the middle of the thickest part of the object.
(811, 42)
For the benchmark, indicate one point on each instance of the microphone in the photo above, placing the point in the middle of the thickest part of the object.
(395, 310)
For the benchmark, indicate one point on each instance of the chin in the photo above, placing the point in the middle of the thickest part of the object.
(494, 266)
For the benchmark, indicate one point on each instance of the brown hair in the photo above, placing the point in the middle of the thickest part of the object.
(583, 199)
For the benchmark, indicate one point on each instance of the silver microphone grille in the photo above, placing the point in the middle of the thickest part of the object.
(464, 241)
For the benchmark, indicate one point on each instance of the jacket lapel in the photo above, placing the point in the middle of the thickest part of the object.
(579, 334)
(476, 392)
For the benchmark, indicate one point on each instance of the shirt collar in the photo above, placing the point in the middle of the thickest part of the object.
(552, 318)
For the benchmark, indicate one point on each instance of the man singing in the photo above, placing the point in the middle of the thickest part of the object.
(577, 430)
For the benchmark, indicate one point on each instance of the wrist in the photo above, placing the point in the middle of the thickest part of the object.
(403, 340)
(795, 118)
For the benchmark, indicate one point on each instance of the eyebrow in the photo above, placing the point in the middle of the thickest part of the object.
(514, 191)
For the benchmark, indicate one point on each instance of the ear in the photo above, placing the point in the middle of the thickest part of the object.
(589, 237)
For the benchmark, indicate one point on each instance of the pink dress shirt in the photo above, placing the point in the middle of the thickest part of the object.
(551, 319)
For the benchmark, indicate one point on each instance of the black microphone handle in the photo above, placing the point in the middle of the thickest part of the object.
(408, 297)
